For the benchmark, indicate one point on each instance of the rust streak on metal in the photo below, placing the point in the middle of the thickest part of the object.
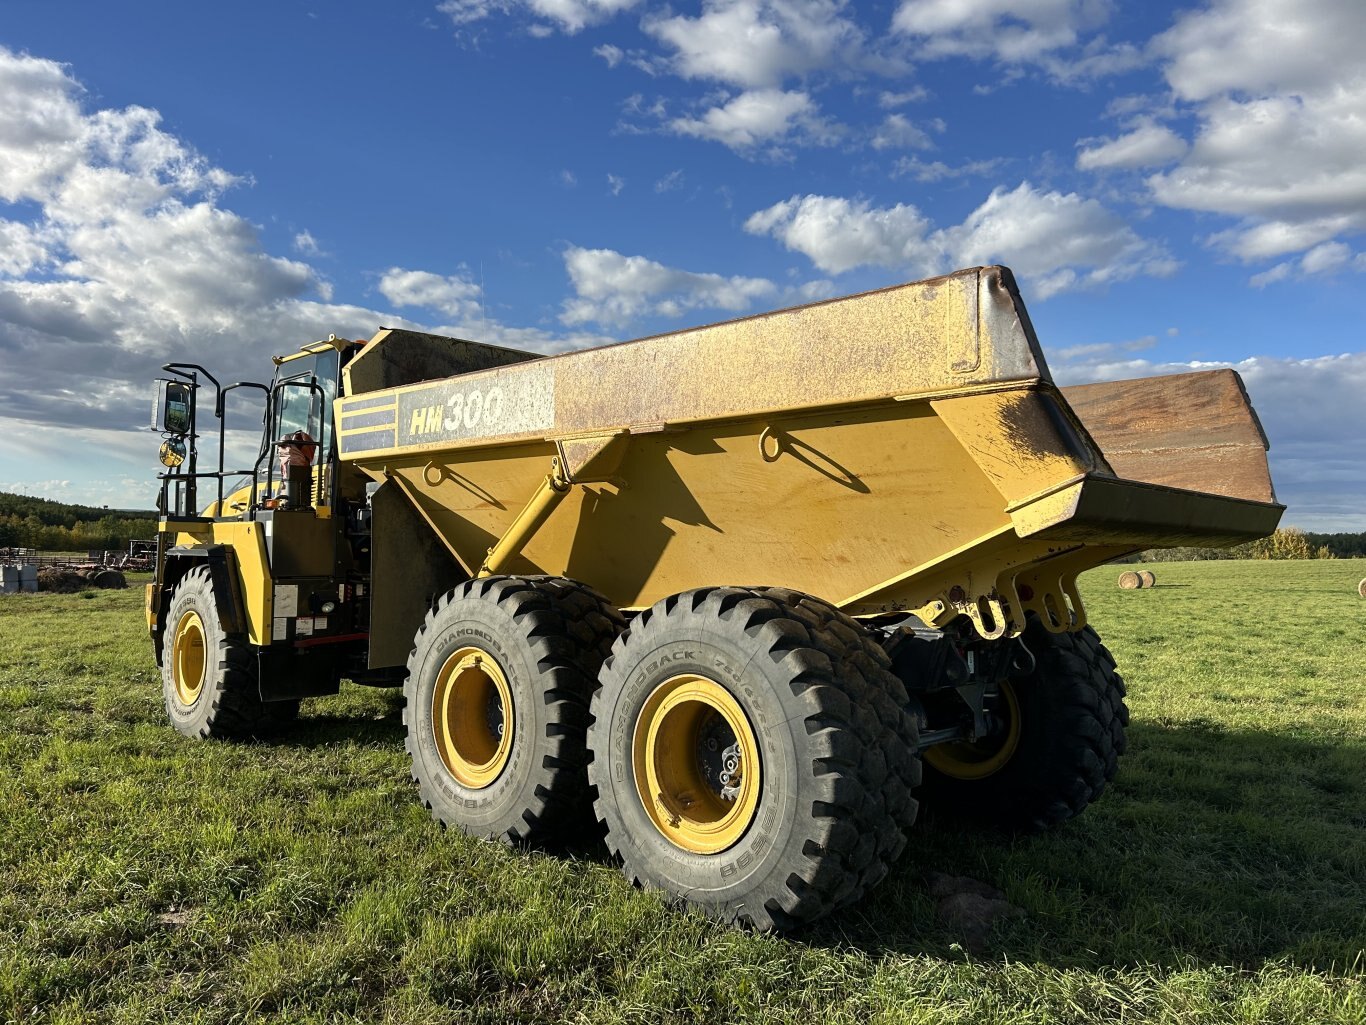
(1194, 431)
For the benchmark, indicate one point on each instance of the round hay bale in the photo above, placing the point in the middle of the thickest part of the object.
(1361, 588)
(110, 580)
(1146, 575)
(1130, 581)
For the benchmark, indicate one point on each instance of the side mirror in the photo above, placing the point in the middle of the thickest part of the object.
(171, 407)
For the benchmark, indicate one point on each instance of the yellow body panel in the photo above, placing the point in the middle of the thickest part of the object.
(900, 450)
(248, 543)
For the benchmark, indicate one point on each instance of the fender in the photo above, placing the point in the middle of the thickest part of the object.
(227, 590)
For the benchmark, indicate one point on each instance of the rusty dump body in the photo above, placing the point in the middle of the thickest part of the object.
(900, 450)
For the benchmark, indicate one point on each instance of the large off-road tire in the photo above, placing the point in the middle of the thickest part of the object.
(801, 700)
(1059, 737)
(208, 677)
(507, 651)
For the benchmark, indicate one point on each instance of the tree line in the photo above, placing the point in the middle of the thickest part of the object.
(1285, 543)
(28, 522)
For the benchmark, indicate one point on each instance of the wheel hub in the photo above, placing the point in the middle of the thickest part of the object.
(696, 763)
(188, 658)
(984, 757)
(472, 717)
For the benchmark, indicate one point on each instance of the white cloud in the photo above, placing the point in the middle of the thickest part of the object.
(1324, 258)
(1059, 37)
(615, 183)
(574, 15)
(889, 100)
(937, 170)
(126, 211)
(1327, 257)
(611, 54)
(1257, 241)
(305, 243)
(1002, 28)
(897, 132)
(454, 296)
(1095, 351)
(206, 259)
(839, 234)
(129, 260)
(1279, 87)
(1269, 277)
(1057, 241)
(615, 289)
(1287, 159)
(1061, 241)
(758, 44)
(1147, 145)
(40, 125)
(570, 16)
(671, 181)
(463, 12)
(759, 119)
(810, 292)
(1264, 46)
(21, 249)
(1096, 59)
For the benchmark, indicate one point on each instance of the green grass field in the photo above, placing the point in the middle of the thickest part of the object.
(1222, 877)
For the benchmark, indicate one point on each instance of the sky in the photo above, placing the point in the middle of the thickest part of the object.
(1175, 186)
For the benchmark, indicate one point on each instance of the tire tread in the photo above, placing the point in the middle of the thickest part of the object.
(862, 745)
(568, 629)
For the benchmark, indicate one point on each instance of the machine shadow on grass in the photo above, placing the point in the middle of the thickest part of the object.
(1212, 847)
(383, 725)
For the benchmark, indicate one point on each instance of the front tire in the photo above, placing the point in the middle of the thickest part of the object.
(208, 677)
(751, 755)
(1060, 736)
(496, 704)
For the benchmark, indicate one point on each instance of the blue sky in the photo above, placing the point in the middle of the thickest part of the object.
(1175, 186)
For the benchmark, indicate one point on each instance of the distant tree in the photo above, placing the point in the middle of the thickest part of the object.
(1343, 545)
(1186, 554)
(1285, 543)
(29, 522)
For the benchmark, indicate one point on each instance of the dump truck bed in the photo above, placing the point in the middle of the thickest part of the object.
(904, 449)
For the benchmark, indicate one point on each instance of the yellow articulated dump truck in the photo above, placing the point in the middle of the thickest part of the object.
(757, 590)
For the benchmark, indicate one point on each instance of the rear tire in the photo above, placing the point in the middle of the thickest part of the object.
(1063, 736)
(496, 705)
(208, 677)
(804, 699)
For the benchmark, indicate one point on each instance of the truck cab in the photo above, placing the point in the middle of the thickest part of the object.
(271, 566)
(278, 552)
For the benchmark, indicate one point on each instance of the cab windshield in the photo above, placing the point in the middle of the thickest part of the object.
(304, 392)
(302, 399)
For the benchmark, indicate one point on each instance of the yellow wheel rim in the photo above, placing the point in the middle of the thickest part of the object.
(188, 660)
(472, 717)
(980, 759)
(696, 764)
